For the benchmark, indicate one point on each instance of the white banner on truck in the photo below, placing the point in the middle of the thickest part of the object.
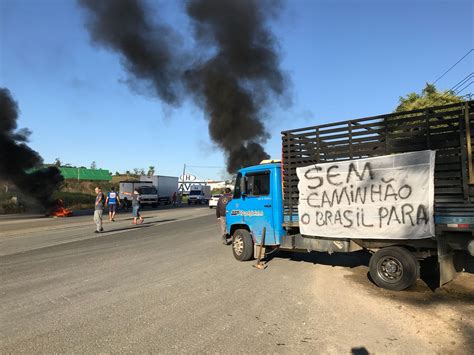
(388, 197)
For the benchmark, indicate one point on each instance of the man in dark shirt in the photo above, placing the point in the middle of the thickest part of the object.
(220, 213)
(98, 209)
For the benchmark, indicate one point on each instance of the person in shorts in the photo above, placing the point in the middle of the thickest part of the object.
(137, 218)
(112, 201)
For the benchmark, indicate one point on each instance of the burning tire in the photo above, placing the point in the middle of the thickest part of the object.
(242, 245)
(394, 268)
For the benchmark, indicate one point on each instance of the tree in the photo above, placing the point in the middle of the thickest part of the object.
(151, 171)
(94, 165)
(57, 162)
(139, 171)
(429, 97)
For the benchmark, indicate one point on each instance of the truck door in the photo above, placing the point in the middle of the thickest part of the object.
(258, 211)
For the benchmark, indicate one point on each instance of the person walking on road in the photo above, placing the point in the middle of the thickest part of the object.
(220, 213)
(112, 201)
(137, 218)
(98, 209)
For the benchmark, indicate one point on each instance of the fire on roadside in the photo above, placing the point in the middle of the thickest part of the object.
(59, 210)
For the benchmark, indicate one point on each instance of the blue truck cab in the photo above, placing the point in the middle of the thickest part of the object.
(257, 204)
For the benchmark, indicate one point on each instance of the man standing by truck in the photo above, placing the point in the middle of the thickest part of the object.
(220, 213)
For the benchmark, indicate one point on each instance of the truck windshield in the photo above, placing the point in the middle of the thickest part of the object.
(147, 190)
(195, 192)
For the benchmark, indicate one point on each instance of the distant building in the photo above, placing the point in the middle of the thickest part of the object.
(185, 182)
(85, 174)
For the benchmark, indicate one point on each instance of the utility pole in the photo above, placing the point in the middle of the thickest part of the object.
(183, 177)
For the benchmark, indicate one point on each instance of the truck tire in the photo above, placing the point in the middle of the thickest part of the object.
(394, 268)
(242, 245)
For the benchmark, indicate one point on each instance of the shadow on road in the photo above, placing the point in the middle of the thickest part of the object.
(351, 260)
(138, 226)
(144, 225)
(165, 220)
(359, 351)
(428, 283)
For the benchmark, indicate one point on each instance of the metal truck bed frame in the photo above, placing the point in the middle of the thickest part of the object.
(447, 129)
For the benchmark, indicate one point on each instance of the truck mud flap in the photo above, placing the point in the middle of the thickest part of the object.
(447, 270)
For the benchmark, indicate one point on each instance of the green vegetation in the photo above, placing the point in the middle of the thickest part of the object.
(151, 171)
(429, 97)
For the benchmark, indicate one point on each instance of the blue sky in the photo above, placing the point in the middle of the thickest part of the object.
(346, 59)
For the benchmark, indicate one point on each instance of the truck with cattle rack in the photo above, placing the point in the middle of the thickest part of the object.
(399, 185)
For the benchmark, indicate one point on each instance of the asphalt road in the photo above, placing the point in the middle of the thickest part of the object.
(169, 285)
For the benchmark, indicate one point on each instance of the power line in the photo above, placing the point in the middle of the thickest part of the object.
(462, 82)
(447, 71)
(464, 88)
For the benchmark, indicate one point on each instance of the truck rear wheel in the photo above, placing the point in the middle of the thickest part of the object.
(242, 245)
(394, 268)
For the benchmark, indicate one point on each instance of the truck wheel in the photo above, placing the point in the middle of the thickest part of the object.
(242, 245)
(394, 268)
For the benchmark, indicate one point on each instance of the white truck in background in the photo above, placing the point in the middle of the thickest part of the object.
(165, 186)
(199, 194)
(148, 193)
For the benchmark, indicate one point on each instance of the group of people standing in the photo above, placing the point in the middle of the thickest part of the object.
(112, 200)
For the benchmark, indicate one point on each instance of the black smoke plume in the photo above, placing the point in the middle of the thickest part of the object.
(20, 164)
(149, 49)
(236, 83)
(233, 85)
